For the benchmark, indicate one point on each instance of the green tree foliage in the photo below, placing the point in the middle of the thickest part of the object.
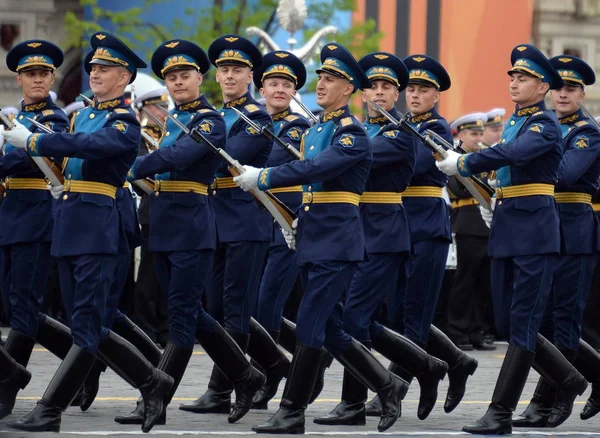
(219, 17)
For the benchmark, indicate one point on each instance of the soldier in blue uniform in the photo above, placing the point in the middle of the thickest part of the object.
(26, 210)
(330, 237)
(182, 226)
(243, 230)
(412, 308)
(101, 147)
(577, 181)
(387, 240)
(280, 75)
(524, 254)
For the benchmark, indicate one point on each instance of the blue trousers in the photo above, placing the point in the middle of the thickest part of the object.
(412, 308)
(233, 292)
(25, 271)
(182, 275)
(279, 277)
(85, 283)
(520, 289)
(572, 282)
(319, 320)
(372, 282)
(114, 296)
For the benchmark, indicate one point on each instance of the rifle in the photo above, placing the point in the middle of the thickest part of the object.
(310, 114)
(478, 189)
(48, 167)
(280, 212)
(263, 130)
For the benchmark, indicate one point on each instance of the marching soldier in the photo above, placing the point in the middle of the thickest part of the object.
(524, 254)
(101, 147)
(331, 242)
(280, 75)
(150, 310)
(493, 127)
(26, 211)
(472, 280)
(577, 181)
(412, 308)
(243, 230)
(182, 227)
(387, 241)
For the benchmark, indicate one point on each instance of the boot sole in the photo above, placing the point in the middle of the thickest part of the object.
(34, 429)
(339, 422)
(297, 431)
(194, 410)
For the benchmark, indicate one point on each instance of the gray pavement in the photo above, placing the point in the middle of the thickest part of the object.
(116, 397)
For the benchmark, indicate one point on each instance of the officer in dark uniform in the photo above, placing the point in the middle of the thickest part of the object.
(182, 226)
(101, 147)
(387, 240)
(577, 181)
(412, 308)
(337, 154)
(243, 230)
(472, 280)
(524, 236)
(26, 210)
(280, 75)
(150, 310)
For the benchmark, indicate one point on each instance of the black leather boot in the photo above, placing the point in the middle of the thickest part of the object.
(90, 387)
(289, 418)
(14, 377)
(64, 385)
(127, 329)
(229, 357)
(19, 346)
(509, 386)
(556, 367)
(287, 340)
(460, 366)
(130, 364)
(351, 409)
(174, 361)
(537, 412)
(588, 364)
(217, 398)
(271, 361)
(391, 389)
(373, 408)
(428, 370)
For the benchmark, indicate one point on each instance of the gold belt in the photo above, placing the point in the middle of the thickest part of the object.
(525, 190)
(422, 192)
(225, 183)
(292, 189)
(381, 198)
(180, 187)
(330, 197)
(565, 197)
(458, 203)
(93, 187)
(26, 184)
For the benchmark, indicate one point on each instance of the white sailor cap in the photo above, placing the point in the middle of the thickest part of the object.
(158, 96)
(495, 117)
(74, 106)
(470, 121)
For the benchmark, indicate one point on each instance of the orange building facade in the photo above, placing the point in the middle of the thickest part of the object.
(471, 38)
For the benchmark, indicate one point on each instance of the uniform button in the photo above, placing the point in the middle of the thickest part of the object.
(222, 113)
(106, 116)
(214, 192)
(175, 115)
(307, 131)
(311, 148)
(20, 117)
(499, 202)
(319, 129)
(69, 176)
(92, 116)
(192, 116)
(65, 197)
(168, 133)
(306, 208)
(34, 117)
(512, 123)
(156, 193)
(309, 188)
(77, 113)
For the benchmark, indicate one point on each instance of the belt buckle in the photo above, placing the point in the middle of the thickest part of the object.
(499, 193)
(309, 197)
(157, 185)
(67, 185)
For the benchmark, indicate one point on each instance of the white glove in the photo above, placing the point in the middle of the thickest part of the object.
(18, 135)
(249, 179)
(449, 165)
(56, 191)
(492, 183)
(290, 238)
(488, 215)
